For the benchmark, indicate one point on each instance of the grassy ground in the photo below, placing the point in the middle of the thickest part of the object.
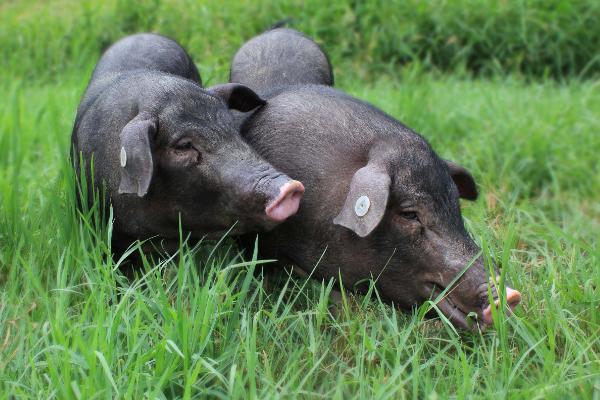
(208, 324)
(72, 326)
(43, 39)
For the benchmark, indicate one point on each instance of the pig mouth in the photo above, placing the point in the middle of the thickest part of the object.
(477, 317)
(453, 310)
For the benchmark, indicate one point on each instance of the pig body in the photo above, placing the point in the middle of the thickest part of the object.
(279, 57)
(166, 152)
(379, 202)
(147, 51)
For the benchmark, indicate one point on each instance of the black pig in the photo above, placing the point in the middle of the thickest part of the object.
(147, 51)
(167, 150)
(379, 202)
(277, 58)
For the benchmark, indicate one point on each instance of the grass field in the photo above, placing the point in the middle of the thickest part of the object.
(557, 38)
(207, 324)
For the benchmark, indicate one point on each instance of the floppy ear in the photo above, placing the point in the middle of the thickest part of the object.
(237, 96)
(135, 155)
(367, 200)
(463, 180)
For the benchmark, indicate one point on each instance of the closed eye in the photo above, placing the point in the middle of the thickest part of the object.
(184, 145)
(185, 150)
(409, 215)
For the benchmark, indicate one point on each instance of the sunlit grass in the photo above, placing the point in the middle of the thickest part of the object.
(42, 40)
(209, 323)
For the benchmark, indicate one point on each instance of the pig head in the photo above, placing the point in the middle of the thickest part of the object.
(167, 153)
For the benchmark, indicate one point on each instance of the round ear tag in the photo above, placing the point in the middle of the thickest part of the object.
(361, 208)
(123, 157)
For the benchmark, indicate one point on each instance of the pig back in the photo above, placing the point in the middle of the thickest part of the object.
(278, 58)
(146, 51)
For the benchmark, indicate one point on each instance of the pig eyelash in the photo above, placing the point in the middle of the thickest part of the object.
(184, 146)
(409, 215)
(187, 149)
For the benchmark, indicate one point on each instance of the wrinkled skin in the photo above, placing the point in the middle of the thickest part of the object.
(411, 238)
(165, 149)
(278, 57)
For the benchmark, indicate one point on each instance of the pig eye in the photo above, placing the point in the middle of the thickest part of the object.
(184, 145)
(186, 152)
(409, 215)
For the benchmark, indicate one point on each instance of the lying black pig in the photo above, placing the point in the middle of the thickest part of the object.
(379, 201)
(279, 57)
(167, 149)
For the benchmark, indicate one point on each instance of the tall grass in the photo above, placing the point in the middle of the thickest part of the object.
(537, 38)
(211, 324)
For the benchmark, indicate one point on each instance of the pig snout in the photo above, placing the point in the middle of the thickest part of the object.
(513, 298)
(275, 197)
(468, 295)
(264, 195)
(286, 203)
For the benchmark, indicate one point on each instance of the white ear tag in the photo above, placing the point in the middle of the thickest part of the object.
(123, 157)
(361, 208)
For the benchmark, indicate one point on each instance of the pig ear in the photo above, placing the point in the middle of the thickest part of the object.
(135, 155)
(237, 96)
(366, 201)
(463, 180)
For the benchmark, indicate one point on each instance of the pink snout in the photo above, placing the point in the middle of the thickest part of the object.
(287, 202)
(513, 298)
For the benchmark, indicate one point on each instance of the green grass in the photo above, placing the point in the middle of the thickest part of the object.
(205, 325)
(536, 38)
(209, 323)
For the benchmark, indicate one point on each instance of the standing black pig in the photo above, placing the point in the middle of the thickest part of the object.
(379, 201)
(165, 149)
